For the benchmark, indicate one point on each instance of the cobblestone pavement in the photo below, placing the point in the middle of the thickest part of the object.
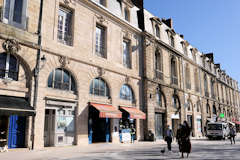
(201, 149)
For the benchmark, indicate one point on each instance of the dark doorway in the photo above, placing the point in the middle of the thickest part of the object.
(159, 125)
(98, 128)
(16, 136)
(175, 124)
(189, 120)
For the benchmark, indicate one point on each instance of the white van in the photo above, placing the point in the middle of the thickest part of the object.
(217, 130)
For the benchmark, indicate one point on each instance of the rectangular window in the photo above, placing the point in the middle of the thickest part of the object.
(126, 54)
(14, 13)
(100, 41)
(65, 26)
(171, 38)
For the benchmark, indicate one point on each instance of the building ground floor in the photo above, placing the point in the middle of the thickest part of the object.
(170, 106)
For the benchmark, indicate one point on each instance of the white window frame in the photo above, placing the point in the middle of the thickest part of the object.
(10, 20)
(7, 66)
(64, 12)
(127, 63)
(100, 41)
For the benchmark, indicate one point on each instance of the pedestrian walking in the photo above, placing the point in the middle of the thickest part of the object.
(168, 138)
(232, 134)
(133, 133)
(178, 136)
(185, 139)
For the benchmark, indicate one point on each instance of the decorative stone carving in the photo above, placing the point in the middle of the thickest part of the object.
(127, 79)
(11, 46)
(63, 61)
(67, 2)
(100, 71)
(101, 19)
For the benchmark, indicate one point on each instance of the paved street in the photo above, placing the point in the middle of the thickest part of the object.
(201, 149)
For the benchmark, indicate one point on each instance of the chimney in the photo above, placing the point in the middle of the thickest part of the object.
(218, 65)
(210, 56)
(182, 36)
(168, 22)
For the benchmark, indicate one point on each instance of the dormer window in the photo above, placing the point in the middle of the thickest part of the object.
(102, 2)
(171, 39)
(157, 31)
(127, 14)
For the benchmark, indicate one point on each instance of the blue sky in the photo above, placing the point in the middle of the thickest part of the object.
(208, 25)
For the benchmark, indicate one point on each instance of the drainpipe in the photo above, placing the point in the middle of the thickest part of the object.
(183, 84)
(37, 68)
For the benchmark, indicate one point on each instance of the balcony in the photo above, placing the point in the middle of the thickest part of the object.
(174, 80)
(159, 74)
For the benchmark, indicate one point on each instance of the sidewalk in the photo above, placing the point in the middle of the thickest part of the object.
(66, 151)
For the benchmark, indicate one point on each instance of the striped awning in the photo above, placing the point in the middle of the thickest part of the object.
(134, 113)
(107, 111)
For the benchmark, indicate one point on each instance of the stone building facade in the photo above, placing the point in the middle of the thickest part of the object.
(181, 83)
(75, 72)
(88, 86)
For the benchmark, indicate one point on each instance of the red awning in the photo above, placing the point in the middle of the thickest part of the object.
(134, 113)
(237, 122)
(107, 111)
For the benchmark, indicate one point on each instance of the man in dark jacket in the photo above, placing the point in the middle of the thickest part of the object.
(168, 138)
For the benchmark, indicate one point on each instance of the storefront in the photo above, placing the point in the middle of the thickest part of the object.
(175, 123)
(159, 125)
(14, 112)
(59, 125)
(128, 122)
(99, 122)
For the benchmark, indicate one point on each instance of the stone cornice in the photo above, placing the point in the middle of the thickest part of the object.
(101, 10)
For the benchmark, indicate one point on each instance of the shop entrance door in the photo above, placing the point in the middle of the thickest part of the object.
(175, 124)
(49, 127)
(16, 136)
(159, 125)
(99, 128)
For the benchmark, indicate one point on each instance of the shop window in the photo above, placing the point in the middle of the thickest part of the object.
(126, 93)
(62, 80)
(9, 66)
(99, 87)
(65, 26)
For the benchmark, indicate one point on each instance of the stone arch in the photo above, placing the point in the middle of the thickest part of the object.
(71, 76)
(28, 73)
(105, 81)
(131, 89)
(159, 90)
